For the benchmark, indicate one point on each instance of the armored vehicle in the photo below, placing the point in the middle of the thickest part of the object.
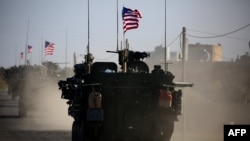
(133, 104)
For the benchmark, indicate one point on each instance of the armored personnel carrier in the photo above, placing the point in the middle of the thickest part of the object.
(133, 104)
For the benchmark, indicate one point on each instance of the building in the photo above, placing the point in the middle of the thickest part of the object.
(202, 52)
(158, 54)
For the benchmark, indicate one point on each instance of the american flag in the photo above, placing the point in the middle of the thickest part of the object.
(130, 18)
(49, 48)
(29, 49)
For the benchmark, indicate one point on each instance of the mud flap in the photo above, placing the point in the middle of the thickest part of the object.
(95, 115)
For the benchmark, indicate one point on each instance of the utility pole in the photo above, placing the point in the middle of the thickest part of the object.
(183, 77)
(74, 58)
(249, 45)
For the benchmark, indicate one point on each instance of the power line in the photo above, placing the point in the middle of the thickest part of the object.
(221, 34)
(213, 34)
(174, 40)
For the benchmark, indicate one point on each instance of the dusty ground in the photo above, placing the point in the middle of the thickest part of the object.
(35, 136)
(48, 120)
(32, 128)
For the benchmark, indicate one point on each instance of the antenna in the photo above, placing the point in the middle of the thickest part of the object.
(88, 30)
(87, 58)
(165, 44)
(117, 47)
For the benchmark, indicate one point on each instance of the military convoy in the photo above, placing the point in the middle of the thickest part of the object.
(130, 103)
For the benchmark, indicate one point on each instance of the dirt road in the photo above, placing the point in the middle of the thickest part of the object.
(33, 128)
(46, 120)
(35, 136)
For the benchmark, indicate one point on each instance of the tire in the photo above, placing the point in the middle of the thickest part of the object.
(78, 132)
(74, 131)
(94, 132)
(168, 131)
(164, 133)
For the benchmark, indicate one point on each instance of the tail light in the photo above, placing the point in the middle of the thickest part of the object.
(165, 98)
(95, 100)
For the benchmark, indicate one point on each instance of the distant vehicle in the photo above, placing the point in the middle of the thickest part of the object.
(128, 105)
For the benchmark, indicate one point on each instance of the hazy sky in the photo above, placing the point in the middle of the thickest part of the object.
(64, 22)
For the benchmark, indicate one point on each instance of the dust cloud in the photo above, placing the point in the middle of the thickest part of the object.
(220, 96)
(43, 107)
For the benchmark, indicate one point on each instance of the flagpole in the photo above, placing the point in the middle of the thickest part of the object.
(16, 56)
(45, 56)
(66, 52)
(26, 43)
(124, 46)
(41, 55)
(38, 52)
(117, 46)
(19, 58)
(30, 60)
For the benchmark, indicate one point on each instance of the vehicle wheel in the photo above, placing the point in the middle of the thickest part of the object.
(168, 131)
(78, 133)
(94, 132)
(74, 131)
(164, 133)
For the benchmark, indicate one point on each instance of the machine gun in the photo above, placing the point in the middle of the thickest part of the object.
(131, 61)
(130, 55)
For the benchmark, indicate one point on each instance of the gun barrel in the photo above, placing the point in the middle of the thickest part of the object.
(112, 51)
